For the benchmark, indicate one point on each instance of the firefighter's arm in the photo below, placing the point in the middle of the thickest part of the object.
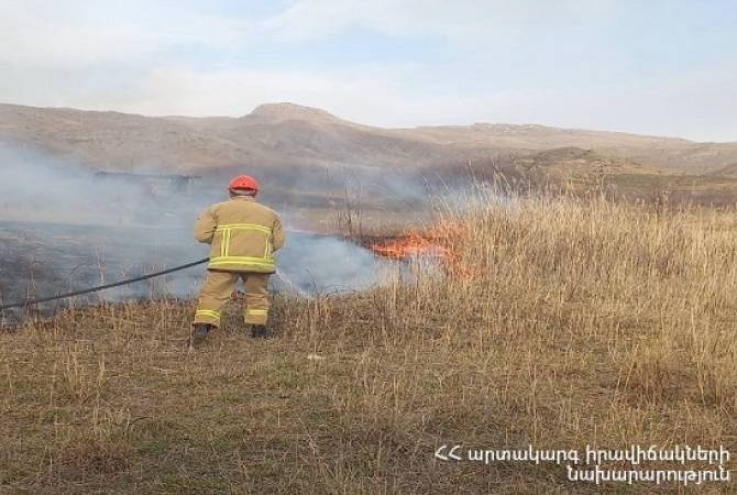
(204, 226)
(278, 235)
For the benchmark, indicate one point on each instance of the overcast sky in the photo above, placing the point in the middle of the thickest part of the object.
(666, 67)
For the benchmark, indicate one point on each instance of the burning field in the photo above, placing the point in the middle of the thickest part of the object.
(43, 259)
(557, 324)
(129, 224)
(412, 245)
(436, 246)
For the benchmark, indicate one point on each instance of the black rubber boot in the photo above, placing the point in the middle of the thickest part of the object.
(200, 333)
(259, 332)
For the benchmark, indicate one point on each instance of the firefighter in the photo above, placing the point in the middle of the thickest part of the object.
(243, 236)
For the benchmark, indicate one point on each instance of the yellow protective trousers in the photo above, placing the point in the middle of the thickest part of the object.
(219, 287)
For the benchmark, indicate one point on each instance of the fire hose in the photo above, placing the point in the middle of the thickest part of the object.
(102, 287)
(98, 288)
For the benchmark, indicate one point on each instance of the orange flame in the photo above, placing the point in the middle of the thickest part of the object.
(410, 245)
(439, 242)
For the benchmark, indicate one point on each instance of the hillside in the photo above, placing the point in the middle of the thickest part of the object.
(281, 134)
(270, 136)
(728, 171)
(572, 161)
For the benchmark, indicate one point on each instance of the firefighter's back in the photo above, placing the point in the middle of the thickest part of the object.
(245, 236)
(243, 210)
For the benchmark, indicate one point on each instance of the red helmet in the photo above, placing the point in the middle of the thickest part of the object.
(243, 182)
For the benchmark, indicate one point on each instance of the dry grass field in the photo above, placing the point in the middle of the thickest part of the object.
(560, 322)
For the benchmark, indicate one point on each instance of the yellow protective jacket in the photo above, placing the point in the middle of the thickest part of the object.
(243, 235)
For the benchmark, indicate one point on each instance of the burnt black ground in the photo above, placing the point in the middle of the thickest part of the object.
(45, 259)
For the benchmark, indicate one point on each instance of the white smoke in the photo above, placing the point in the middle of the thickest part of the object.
(63, 229)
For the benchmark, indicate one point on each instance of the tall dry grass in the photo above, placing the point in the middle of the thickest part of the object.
(562, 322)
(657, 285)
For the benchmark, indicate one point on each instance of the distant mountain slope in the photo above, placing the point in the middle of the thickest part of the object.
(285, 134)
(674, 153)
(270, 136)
(571, 161)
(728, 171)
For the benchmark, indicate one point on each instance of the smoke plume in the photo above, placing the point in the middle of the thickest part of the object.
(63, 227)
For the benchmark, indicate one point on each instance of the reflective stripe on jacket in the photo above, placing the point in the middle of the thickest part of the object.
(243, 235)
